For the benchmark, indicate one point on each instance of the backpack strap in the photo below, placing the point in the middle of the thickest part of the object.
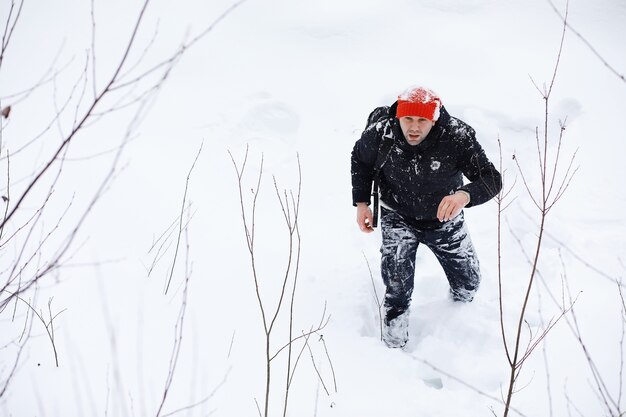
(384, 150)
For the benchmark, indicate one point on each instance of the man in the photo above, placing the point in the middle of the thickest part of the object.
(419, 154)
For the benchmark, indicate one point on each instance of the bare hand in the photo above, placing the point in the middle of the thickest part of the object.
(451, 206)
(364, 217)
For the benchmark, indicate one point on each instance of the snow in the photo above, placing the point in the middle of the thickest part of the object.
(287, 78)
(415, 93)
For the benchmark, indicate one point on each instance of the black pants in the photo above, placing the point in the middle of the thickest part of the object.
(450, 243)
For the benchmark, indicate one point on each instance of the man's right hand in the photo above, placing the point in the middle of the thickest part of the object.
(364, 217)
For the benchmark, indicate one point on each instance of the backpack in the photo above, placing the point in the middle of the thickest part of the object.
(378, 114)
(384, 149)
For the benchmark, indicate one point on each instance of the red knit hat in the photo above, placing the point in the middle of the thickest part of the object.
(419, 102)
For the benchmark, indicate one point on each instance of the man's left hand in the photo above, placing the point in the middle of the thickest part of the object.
(451, 206)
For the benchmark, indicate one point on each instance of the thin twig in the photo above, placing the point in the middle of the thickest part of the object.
(499, 200)
(184, 47)
(586, 42)
(293, 227)
(317, 329)
(48, 326)
(332, 368)
(178, 334)
(7, 198)
(315, 367)
(9, 28)
(466, 384)
(204, 400)
(180, 224)
(379, 303)
(83, 120)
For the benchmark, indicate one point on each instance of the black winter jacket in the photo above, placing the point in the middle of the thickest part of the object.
(414, 179)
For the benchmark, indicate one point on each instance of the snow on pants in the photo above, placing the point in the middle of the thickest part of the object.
(451, 245)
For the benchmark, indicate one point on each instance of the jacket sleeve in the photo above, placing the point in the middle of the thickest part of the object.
(363, 161)
(485, 180)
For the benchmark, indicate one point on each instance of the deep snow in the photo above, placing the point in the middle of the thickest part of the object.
(288, 78)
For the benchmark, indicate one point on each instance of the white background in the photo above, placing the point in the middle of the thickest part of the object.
(288, 78)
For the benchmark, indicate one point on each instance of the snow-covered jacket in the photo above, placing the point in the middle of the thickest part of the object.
(415, 178)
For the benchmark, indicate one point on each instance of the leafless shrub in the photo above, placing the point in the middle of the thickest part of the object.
(610, 400)
(31, 247)
(290, 207)
(552, 185)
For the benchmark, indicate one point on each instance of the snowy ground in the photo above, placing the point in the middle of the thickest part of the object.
(288, 78)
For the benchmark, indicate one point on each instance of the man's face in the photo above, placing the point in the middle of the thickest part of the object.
(415, 128)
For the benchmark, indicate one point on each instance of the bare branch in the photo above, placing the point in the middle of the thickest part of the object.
(545, 332)
(205, 399)
(249, 231)
(183, 47)
(566, 180)
(6, 198)
(316, 330)
(466, 384)
(556, 160)
(379, 302)
(47, 77)
(292, 371)
(49, 326)
(9, 28)
(621, 349)
(332, 368)
(579, 258)
(499, 200)
(584, 40)
(530, 194)
(293, 227)
(536, 86)
(165, 241)
(85, 117)
(180, 224)
(315, 366)
(516, 361)
(178, 331)
(81, 96)
(558, 55)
